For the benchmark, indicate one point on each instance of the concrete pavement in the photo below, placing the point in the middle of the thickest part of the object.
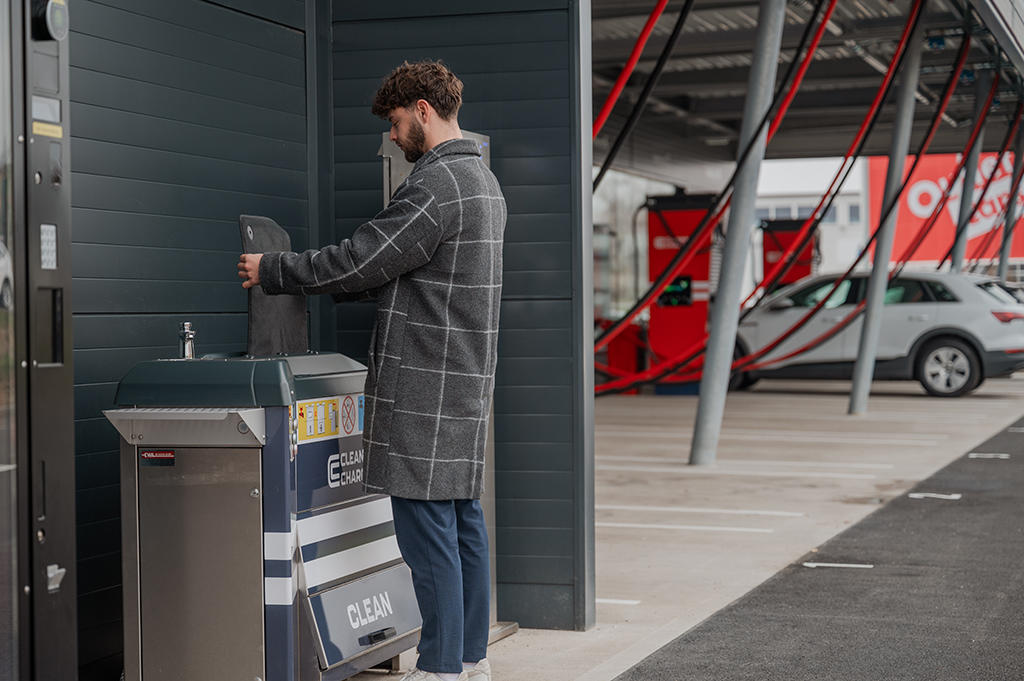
(677, 543)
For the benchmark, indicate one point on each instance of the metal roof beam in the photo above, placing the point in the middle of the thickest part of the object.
(628, 9)
(615, 51)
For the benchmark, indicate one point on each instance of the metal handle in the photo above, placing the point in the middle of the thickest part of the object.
(186, 341)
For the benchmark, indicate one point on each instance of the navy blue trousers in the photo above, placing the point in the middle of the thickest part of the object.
(445, 545)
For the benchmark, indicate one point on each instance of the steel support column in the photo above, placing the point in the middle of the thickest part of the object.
(725, 312)
(1011, 210)
(864, 369)
(981, 88)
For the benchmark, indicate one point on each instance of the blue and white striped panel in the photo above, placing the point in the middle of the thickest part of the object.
(279, 585)
(337, 544)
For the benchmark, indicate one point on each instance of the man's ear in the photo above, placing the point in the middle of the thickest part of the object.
(423, 109)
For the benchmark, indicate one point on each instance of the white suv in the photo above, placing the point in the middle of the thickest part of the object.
(948, 331)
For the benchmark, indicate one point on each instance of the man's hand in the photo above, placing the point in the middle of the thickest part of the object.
(249, 269)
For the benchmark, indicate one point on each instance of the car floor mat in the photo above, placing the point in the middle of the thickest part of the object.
(277, 324)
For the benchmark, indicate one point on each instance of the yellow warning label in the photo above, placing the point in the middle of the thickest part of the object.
(47, 129)
(319, 419)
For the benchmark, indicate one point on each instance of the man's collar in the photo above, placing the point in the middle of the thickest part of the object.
(453, 147)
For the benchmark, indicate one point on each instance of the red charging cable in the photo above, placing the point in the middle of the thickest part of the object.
(981, 252)
(627, 70)
(903, 260)
(684, 359)
(703, 233)
(789, 256)
(659, 368)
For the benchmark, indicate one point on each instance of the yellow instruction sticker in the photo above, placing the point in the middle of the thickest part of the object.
(47, 129)
(318, 419)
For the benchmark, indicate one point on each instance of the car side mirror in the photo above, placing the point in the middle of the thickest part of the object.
(782, 304)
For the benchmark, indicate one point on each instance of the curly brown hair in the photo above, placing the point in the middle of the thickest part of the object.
(429, 80)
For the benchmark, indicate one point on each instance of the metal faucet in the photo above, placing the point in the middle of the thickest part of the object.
(186, 341)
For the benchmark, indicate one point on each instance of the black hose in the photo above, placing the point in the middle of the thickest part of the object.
(645, 94)
(965, 223)
(717, 203)
(682, 363)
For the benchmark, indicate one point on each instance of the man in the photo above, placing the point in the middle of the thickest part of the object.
(432, 260)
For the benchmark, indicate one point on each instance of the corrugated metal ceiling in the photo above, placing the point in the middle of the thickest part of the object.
(696, 109)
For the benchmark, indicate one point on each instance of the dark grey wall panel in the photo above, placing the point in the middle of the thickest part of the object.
(183, 115)
(344, 10)
(516, 61)
(96, 470)
(218, 23)
(109, 21)
(541, 602)
(287, 12)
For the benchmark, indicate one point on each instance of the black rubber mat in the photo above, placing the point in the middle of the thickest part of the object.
(944, 600)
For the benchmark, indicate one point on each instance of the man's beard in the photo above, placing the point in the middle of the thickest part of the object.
(413, 146)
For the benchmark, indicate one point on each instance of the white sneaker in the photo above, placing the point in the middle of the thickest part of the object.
(420, 675)
(481, 672)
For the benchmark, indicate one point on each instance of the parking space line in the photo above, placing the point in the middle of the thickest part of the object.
(988, 455)
(695, 528)
(693, 509)
(823, 464)
(698, 470)
(615, 601)
(785, 436)
(956, 496)
(755, 462)
(838, 565)
(7, 467)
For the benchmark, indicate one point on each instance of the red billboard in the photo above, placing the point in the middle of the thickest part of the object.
(930, 179)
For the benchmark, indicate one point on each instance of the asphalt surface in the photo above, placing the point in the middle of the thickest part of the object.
(944, 600)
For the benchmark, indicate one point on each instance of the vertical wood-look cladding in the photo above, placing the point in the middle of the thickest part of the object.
(516, 61)
(183, 115)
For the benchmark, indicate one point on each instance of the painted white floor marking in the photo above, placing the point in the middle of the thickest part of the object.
(933, 495)
(902, 439)
(749, 462)
(615, 601)
(695, 528)
(988, 455)
(701, 470)
(1015, 430)
(693, 509)
(838, 565)
(7, 467)
(823, 464)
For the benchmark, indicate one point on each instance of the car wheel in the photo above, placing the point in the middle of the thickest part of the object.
(740, 380)
(948, 367)
(6, 296)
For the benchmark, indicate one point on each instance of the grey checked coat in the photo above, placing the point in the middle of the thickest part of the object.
(432, 259)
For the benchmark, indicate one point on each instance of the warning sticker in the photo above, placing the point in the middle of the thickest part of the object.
(348, 415)
(329, 417)
(156, 457)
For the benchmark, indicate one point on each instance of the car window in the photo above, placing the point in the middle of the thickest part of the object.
(1013, 291)
(906, 291)
(813, 294)
(998, 292)
(941, 293)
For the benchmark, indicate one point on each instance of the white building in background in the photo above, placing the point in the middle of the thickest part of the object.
(791, 189)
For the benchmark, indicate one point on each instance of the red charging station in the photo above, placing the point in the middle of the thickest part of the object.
(679, 316)
(627, 351)
(779, 236)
